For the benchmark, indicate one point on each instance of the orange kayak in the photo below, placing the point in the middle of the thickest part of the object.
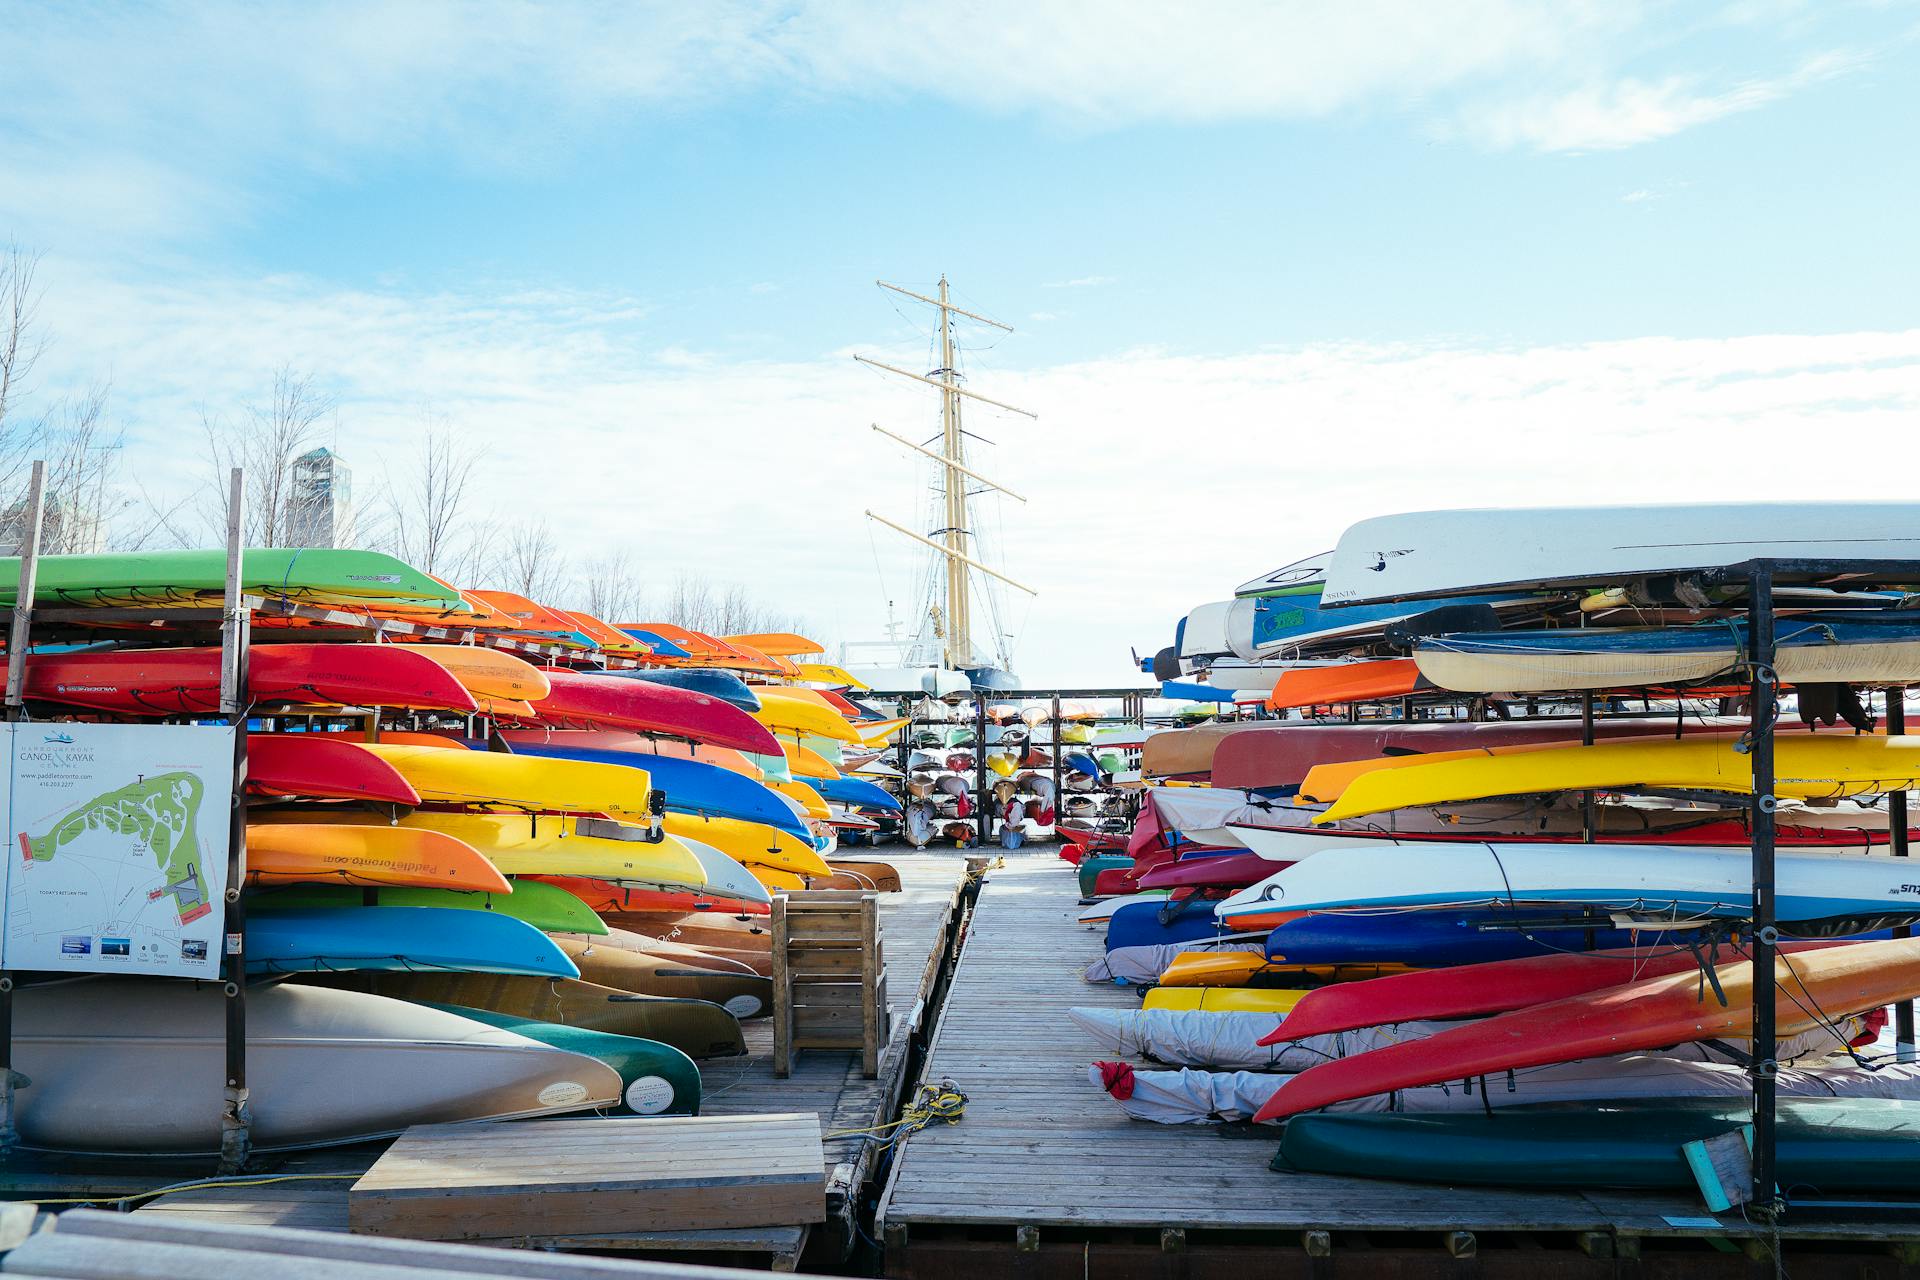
(313, 853)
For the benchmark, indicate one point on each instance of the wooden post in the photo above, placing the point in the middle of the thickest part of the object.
(17, 639)
(236, 1139)
(873, 984)
(782, 992)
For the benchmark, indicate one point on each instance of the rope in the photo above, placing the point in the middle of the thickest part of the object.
(941, 1103)
(202, 1185)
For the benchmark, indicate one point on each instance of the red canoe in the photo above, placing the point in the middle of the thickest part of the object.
(1227, 870)
(306, 764)
(608, 897)
(1498, 986)
(1811, 989)
(584, 700)
(165, 682)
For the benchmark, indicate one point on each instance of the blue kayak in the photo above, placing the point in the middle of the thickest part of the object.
(1139, 924)
(1431, 939)
(854, 791)
(692, 786)
(661, 646)
(723, 685)
(400, 938)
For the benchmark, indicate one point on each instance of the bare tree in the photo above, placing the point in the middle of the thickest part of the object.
(82, 453)
(531, 564)
(611, 590)
(21, 346)
(695, 604)
(265, 443)
(429, 523)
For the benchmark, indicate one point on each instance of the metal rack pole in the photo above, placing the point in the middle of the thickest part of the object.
(983, 826)
(1059, 793)
(1765, 705)
(17, 639)
(1897, 838)
(236, 1139)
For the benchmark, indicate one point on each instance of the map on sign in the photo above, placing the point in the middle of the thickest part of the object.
(119, 850)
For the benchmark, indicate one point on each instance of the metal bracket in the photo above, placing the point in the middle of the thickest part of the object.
(236, 1131)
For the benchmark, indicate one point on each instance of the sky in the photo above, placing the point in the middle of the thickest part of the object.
(1271, 268)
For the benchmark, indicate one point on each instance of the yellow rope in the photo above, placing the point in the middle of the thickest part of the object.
(206, 1184)
(941, 1103)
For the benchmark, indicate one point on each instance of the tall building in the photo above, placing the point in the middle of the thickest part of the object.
(320, 503)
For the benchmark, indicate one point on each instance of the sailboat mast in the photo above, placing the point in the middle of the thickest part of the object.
(959, 616)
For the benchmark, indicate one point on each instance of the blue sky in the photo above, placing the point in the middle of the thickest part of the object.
(628, 249)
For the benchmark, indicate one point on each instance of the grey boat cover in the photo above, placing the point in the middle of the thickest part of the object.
(1143, 966)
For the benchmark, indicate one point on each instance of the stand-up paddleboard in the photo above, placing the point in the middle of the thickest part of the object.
(404, 938)
(305, 575)
(1818, 766)
(744, 995)
(322, 1067)
(1812, 988)
(697, 1028)
(356, 854)
(546, 907)
(579, 700)
(655, 1079)
(321, 767)
(164, 682)
(1654, 883)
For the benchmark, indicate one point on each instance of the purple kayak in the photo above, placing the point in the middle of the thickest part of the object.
(1228, 871)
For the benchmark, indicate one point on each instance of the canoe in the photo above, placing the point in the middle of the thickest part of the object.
(741, 994)
(488, 674)
(546, 907)
(1426, 554)
(696, 1028)
(1431, 939)
(1224, 999)
(164, 682)
(1646, 882)
(320, 939)
(1475, 990)
(578, 700)
(690, 786)
(356, 854)
(304, 575)
(751, 843)
(881, 877)
(323, 1067)
(1806, 765)
(655, 1079)
(1810, 988)
(322, 767)
(494, 778)
(1840, 1145)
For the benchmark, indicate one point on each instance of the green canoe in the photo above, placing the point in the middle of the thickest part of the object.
(546, 907)
(305, 575)
(655, 1079)
(1825, 1145)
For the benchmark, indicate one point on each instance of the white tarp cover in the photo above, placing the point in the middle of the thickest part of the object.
(1192, 1096)
(1201, 1038)
(1144, 965)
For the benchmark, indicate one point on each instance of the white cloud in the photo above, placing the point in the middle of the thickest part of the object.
(1156, 480)
(1080, 282)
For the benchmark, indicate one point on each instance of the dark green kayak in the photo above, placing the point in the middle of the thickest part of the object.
(1092, 865)
(655, 1079)
(546, 907)
(1826, 1145)
(305, 575)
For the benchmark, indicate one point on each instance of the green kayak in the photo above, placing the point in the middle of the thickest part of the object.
(305, 575)
(655, 1079)
(1825, 1145)
(1093, 864)
(546, 907)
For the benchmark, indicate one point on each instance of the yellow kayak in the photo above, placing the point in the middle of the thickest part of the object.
(1231, 968)
(778, 644)
(789, 710)
(488, 673)
(828, 674)
(805, 762)
(1811, 766)
(533, 783)
(805, 796)
(522, 844)
(751, 843)
(874, 733)
(1225, 999)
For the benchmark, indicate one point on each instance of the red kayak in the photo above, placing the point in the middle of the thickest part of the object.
(323, 766)
(608, 897)
(1228, 870)
(167, 682)
(1498, 986)
(1811, 989)
(584, 700)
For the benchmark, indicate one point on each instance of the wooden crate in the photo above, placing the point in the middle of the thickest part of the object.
(531, 1180)
(829, 976)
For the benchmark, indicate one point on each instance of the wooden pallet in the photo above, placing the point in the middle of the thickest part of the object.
(829, 976)
(532, 1181)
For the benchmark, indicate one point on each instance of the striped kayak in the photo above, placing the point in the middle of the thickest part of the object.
(546, 907)
(305, 575)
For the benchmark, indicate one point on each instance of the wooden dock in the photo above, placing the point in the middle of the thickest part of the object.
(915, 922)
(1043, 1162)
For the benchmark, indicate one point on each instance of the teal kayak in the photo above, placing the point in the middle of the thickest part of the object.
(547, 907)
(655, 1079)
(305, 575)
(1825, 1145)
(1091, 866)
